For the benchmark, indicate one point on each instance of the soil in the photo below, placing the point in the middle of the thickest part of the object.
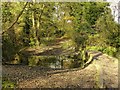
(101, 73)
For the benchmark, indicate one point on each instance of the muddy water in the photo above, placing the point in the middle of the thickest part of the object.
(48, 61)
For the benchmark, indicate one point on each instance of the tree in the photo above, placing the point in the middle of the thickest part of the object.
(108, 29)
(9, 33)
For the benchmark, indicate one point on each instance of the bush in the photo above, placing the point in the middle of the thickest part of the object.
(108, 49)
(42, 60)
(96, 48)
(77, 59)
(32, 42)
(7, 84)
(33, 61)
(117, 55)
(67, 44)
(9, 49)
(59, 33)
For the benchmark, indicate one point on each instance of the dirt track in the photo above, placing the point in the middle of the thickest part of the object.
(102, 72)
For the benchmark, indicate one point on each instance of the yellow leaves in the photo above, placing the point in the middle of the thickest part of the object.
(69, 18)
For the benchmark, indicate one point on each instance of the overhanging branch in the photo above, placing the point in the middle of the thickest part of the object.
(16, 18)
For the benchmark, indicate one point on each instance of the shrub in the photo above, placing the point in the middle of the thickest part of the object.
(96, 48)
(7, 84)
(42, 60)
(110, 51)
(106, 49)
(32, 42)
(67, 44)
(33, 61)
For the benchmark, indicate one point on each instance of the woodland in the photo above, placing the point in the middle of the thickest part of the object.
(56, 36)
